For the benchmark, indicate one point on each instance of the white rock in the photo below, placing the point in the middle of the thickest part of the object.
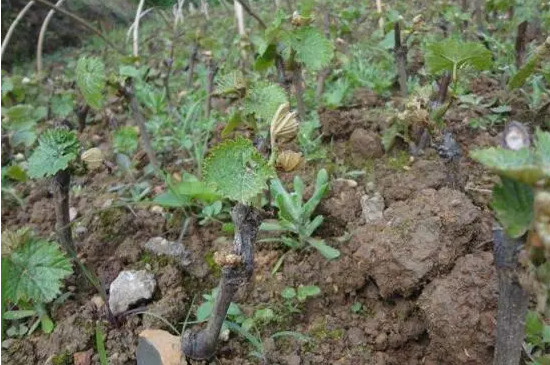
(130, 287)
(161, 246)
(72, 213)
(373, 207)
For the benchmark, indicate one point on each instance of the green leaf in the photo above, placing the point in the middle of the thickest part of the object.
(232, 83)
(288, 293)
(542, 150)
(125, 140)
(313, 50)
(513, 206)
(519, 165)
(234, 121)
(236, 170)
(307, 291)
(204, 311)
(266, 58)
(56, 149)
(19, 314)
(288, 210)
(264, 315)
(129, 71)
(523, 73)
(100, 344)
(296, 335)
(62, 105)
(451, 55)
(389, 136)
(321, 188)
(16, 173)
(90, 79)
(46, 323)
(533, 326)
(328, 252)
(264, 99)
(34, 272)
(313, 225)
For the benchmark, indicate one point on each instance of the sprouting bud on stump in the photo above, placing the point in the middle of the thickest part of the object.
(227, 259)
(93, 158)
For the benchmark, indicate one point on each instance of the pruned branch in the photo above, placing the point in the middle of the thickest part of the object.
(81, 21)
(247, 8)
(237, 268)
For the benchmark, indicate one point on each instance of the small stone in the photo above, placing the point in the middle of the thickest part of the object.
(80, 230)
(372, 207)
(293, 360)
(365, 144)
(130, 287)
(157, 347)
(157, 209)
(19, 157)
(381, 341)
(98, 302)
(177, 250)
(107, 203)
(346, 182)
(224, 335)
(72, 213)
(6, 344)
(356, 336)
(83, 357)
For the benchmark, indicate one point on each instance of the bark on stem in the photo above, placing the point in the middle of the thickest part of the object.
(210, 75)
(140, 121)
(512, 301)
(60, 186)
(202, 345)
(400, 51)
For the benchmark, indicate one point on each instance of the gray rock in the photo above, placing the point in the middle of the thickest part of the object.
(130, 287)
(372, 207)
(161, 246)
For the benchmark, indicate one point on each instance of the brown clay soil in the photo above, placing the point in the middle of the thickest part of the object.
(423, 272)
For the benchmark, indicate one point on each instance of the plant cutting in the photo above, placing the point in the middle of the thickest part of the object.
(522, 246)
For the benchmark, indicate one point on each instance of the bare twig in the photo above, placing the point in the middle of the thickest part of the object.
(140, 120)
(521, 43)
(12, 27)
(136, 29)
(400, 53)
(192, 60)
(247, 8)
(81, 21)
(212, 69)
(41, 36)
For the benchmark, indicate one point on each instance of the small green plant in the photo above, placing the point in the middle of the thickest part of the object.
(125, 140)
(294, 297)
(32, 274)
(91, 80)
(537, 339)
(295, 216)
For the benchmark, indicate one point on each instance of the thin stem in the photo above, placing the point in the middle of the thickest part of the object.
(83, 22)
(136, 29)
(140, 120)
(13, 25)
(247, 8)
(40, 44)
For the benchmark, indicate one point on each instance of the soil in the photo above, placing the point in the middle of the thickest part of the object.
(422, 275)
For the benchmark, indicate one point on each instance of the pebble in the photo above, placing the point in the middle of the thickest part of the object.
(130, 287)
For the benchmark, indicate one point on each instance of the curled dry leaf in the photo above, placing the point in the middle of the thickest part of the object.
(93, 158)
(284, 125)
(289, 160)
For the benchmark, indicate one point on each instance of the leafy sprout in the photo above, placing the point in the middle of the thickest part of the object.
(57, 148)
(90, 78)
(237, 171)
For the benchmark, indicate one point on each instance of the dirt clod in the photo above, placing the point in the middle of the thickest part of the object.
(417, 239)
(460, 311)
